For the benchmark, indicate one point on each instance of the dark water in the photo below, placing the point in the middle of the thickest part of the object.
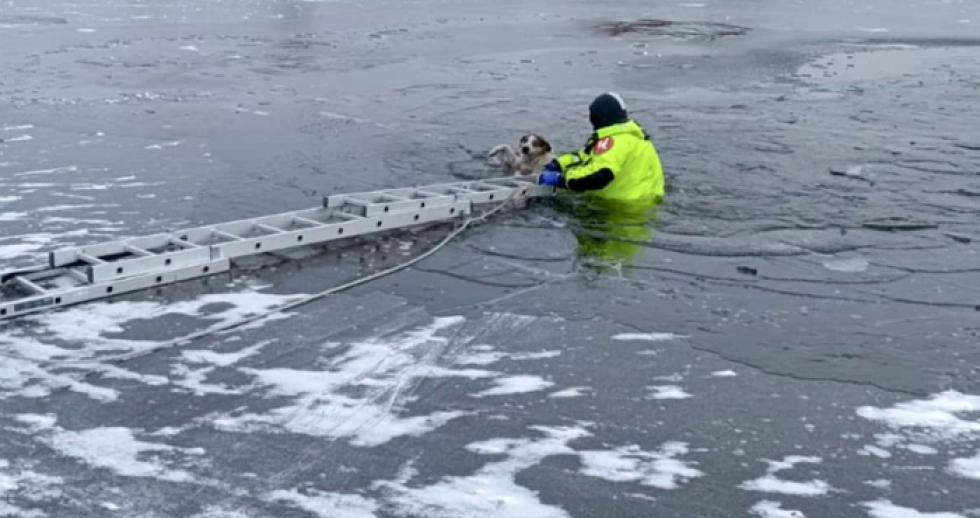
(819, 235)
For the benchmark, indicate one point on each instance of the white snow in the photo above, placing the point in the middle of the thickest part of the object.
(328, 505)
(570, 392)
(491, 491)
(87, 325)
(886, 509)
(488, 357)
(847, 265)
(116, 449)
(165, 144)
(20, 138)
(658, 469)
(25, 484)
(966, 468)
(880, 483)
(222, 359)
(649, 337)
(12, 216)
(213, 511)
(12, 251)
(668, 392)
(53, 170)
(921, 449)
(881, 453)
(769, 509)
(770, 483)
(516, 385)
(724, 374)
(939, 415)
(357, 393)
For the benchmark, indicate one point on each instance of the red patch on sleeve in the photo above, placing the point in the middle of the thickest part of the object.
(603, 145)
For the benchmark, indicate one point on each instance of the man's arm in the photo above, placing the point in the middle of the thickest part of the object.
(592, 181)
(592, 174)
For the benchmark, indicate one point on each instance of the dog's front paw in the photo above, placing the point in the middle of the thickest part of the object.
(493, 156)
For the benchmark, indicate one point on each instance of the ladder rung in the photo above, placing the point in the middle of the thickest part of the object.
(77, 275)
(90, 259)
(268, 228)
(29, 286)
(345, 215)
(184, 243)
(359, 203)
(307, 222)
(226, 235)
(137, 251)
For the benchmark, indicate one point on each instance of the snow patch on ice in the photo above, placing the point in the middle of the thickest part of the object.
(886, 509)
(492, 491)
(520, 384)
(966, 468)
(724, 374)
(116, 449)
(770, 483)
(165, 144)
(11, 216)
(769, 509)
(328, 505)
(937, 417)
(488, 357)
(81, 333)
(668, 392)
(358, 393)
(53, 170)
(222, 359)
(22, 483)
(918, 425)
(854, 265)
(881, 453)
(658, 469)
(570, 392)
(921, 449)
(648, 337)
(880, 483)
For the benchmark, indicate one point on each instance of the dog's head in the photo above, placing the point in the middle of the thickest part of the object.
(534, 146)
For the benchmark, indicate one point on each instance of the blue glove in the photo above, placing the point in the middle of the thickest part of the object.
(550, 178)
(553, 167)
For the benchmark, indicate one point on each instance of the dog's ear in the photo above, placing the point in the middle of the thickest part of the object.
(544, 144)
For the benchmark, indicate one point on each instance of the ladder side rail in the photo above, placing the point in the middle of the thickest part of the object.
(341, 230)
(87, 293)
(145, 265)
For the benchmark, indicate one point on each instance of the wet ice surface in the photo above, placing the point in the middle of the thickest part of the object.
(797, 337)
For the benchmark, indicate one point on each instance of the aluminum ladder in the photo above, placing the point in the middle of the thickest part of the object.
(81, 274)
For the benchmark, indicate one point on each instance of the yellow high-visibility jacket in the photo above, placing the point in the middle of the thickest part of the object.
(618, 163)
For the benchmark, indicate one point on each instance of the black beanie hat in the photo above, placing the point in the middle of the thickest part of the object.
(606, 110)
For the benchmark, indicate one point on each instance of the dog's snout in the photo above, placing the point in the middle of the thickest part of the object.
(526, 150)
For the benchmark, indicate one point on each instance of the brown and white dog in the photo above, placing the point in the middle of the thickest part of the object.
(534, 152)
